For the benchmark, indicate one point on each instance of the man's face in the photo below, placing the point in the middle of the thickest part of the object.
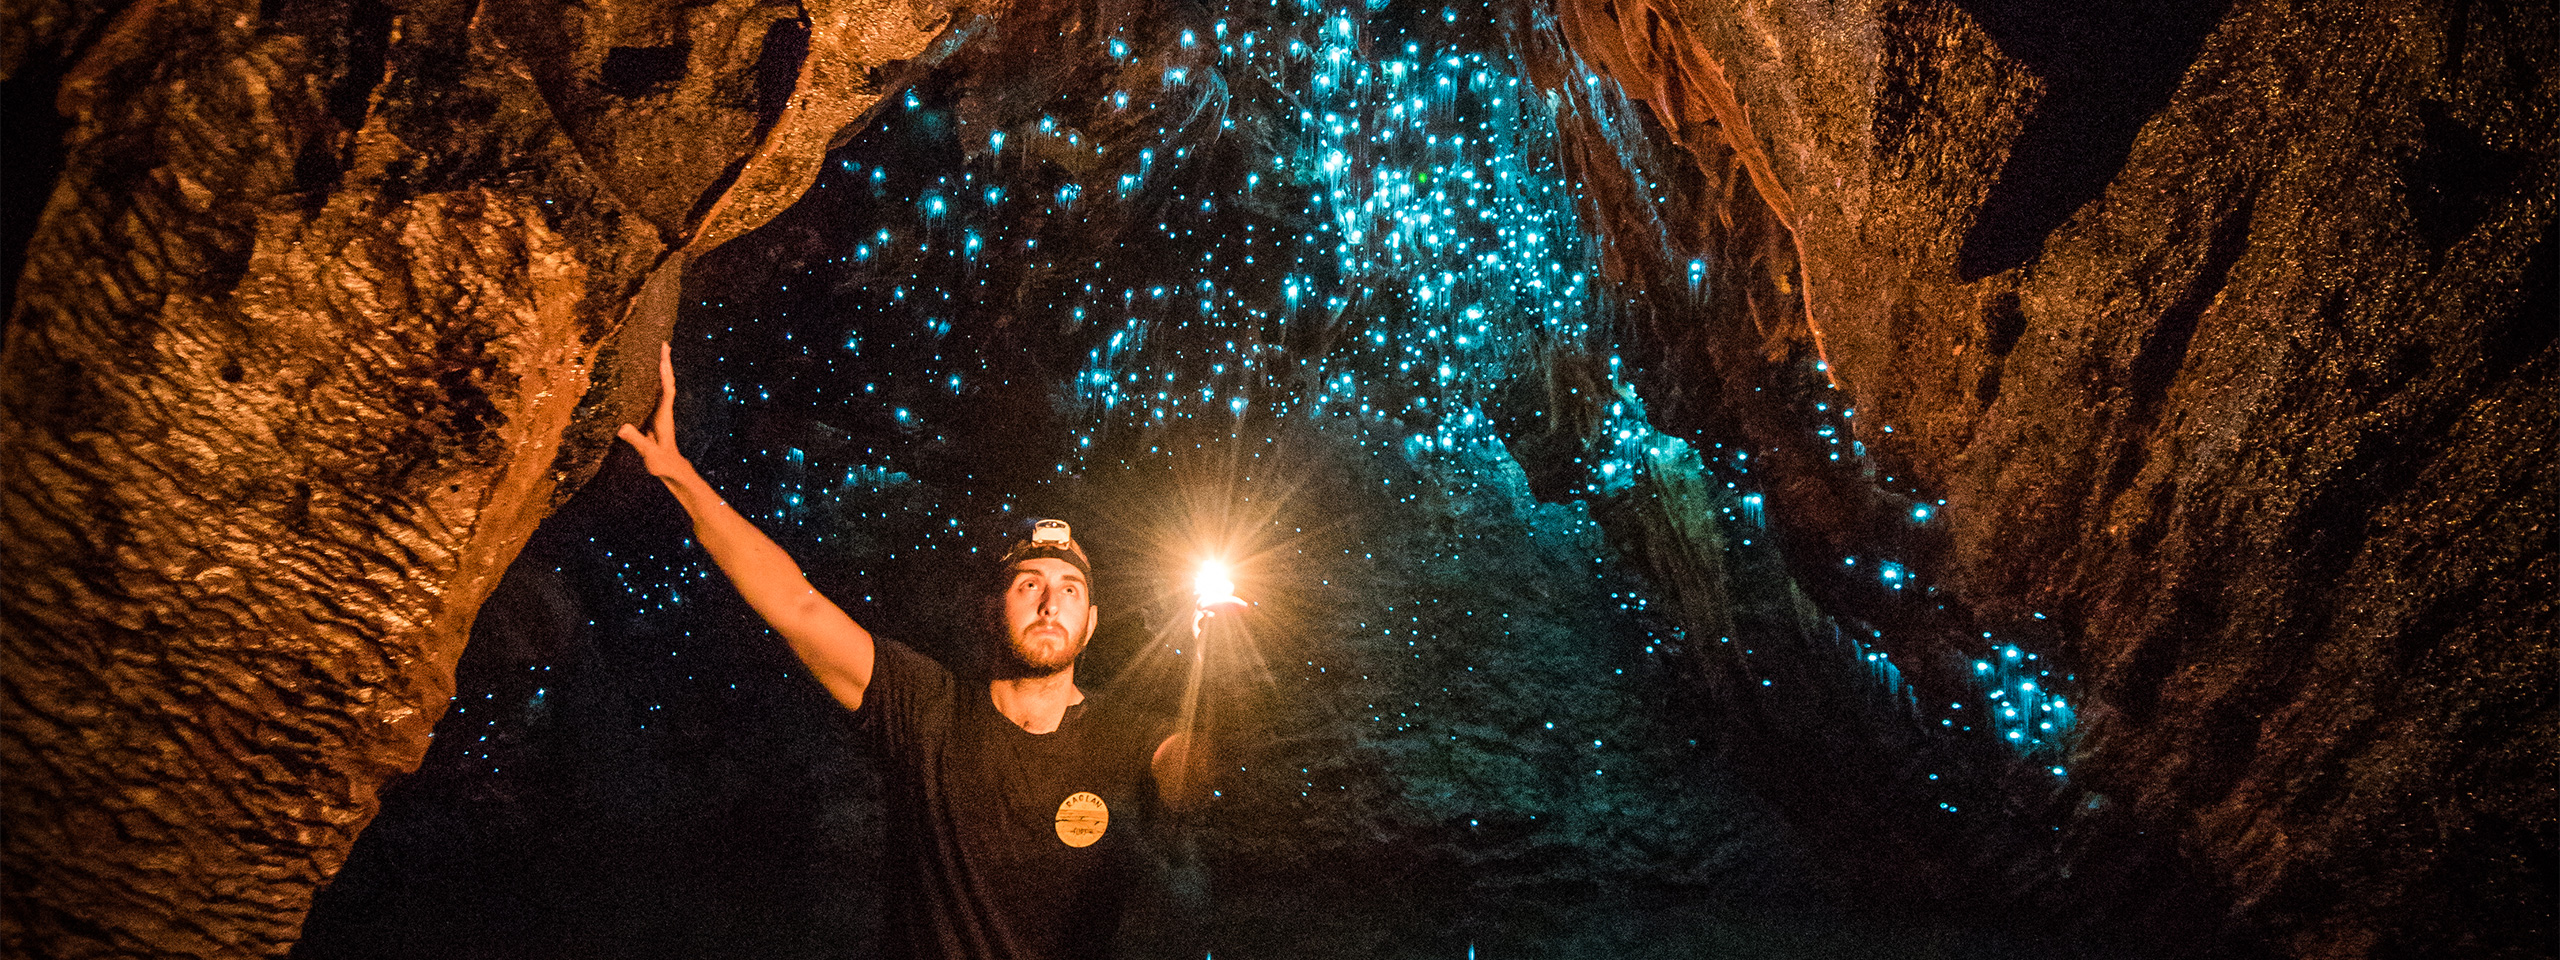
(1048, 614)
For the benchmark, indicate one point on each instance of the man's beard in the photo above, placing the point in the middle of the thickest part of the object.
(1027, 657)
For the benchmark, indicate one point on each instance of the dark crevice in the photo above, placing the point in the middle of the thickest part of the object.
(786, 47)
(369, 26)
(316, 170)
(2107, 69)
(348, 43)
(2130, 459)
(31, 147)
(635, 72)
(31, 152)
(2003, 323)
(2455, 178)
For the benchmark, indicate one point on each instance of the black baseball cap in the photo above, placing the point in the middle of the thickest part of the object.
(1049, 538)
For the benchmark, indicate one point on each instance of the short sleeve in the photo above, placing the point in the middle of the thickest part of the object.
(909, 700)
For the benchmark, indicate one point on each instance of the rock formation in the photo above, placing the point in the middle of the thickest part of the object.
(2225, 334)
(319, 317)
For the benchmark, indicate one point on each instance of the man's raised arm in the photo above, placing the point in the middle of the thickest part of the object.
(837, 650)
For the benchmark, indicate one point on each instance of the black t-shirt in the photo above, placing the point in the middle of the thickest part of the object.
(1003, 844)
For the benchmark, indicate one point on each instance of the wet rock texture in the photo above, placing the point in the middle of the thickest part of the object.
(317, 321)
(2226, 334)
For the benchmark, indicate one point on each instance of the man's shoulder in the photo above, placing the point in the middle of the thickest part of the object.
(894, 656)
(905, 681)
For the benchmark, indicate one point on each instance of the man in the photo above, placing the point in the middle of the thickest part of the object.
(1011, 798)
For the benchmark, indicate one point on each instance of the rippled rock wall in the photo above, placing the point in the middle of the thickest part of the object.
(318, 319)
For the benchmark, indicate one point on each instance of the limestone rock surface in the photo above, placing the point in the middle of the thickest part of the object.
(316, 320)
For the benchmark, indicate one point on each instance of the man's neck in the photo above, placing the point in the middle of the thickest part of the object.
(1036, 704)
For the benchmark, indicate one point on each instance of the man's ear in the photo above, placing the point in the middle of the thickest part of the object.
(1092, 619)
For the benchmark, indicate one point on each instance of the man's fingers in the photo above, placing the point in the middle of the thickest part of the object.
(665, 419)
(632, 435)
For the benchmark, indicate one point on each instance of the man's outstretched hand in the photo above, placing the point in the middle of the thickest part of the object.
(657, 446)
(837, 650)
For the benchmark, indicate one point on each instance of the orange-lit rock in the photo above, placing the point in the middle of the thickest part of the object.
(319, 319)
(2226, 333)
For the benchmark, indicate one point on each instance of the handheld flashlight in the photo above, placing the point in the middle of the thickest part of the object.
(1213, 587)
(1215, 593)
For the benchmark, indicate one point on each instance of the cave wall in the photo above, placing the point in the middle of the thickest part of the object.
(2225, 332)
(322, 313)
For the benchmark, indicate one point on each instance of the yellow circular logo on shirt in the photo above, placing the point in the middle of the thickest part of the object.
(1081, 820)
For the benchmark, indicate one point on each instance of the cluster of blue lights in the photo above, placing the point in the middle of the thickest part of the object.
(2021, 701)
(1409, 223)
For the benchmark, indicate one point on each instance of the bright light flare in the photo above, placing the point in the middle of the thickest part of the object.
(1215, 590)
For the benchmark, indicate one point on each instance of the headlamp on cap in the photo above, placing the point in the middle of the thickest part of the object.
(1053, 539)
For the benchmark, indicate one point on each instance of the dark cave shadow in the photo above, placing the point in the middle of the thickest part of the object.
(31, 133)
(2107, 69)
